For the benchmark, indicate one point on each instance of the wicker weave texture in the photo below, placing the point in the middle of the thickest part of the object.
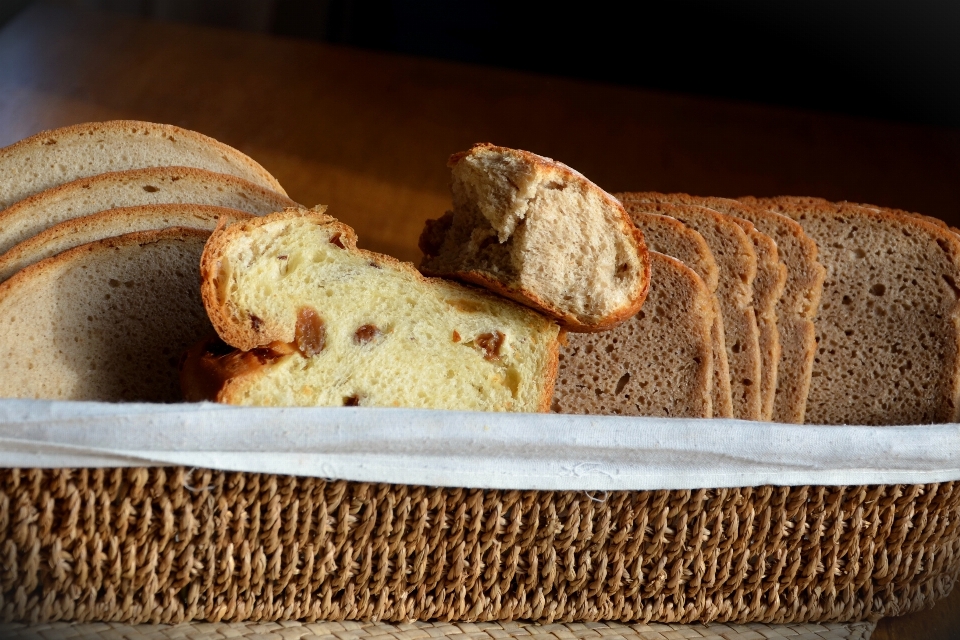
(428, 631)
(175, 545)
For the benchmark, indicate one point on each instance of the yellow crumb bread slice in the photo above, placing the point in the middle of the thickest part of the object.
(327, 324)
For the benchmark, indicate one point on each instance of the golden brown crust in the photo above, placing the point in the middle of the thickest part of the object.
(110, 126)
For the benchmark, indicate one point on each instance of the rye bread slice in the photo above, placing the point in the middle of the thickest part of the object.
(156, 185)
(672, 238)
(110, 223)
(794, 289)
(657, 363)
(104, 321)
(536, 231)
(52, 158)
(888, 326)
(331, 325)
(737, 260)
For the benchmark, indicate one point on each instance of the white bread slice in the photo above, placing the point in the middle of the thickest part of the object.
(737, 260)
(671, 237)
(110, 223)
(786, 335)
(657, 363)
(158, 185)
(105, 321)
(888, 327)
(538, 232)
(352, 327)
(52, 158)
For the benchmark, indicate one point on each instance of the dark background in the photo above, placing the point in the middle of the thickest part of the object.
(882, 59)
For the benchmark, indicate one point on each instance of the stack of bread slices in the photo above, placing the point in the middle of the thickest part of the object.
(145, 262)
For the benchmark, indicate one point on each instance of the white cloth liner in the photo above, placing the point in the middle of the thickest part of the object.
(478, 450)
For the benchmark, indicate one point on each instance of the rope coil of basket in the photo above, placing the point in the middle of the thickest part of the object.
(173, 545)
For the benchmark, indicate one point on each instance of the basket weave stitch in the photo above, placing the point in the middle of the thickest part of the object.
(173, 545)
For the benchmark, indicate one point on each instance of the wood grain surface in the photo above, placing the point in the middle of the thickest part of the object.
(369, 133)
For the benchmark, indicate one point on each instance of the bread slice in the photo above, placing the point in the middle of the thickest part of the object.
(52, 158)
(157, 185)
(344, 326)
(105, 321)
(786, 292)
(888, 327)
(671, 237)
(658, 363)
(110, 223)
(538, 232)
(737, 261)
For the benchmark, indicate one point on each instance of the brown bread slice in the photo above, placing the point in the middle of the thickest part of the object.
(538, 232)
(671, 237)
(788, 289)
(159, 185)
(105, 321)
(331, 325)
(888, 327)
(737, 261)
(110, 223)
(52, 158)
(658, 363)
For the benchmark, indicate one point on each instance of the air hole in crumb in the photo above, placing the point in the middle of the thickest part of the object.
(149, 188)
(335, 239)
(952, 284)
(622, 382)
(351, 401)
(846, 300)
(878, 289)
(736, 348)
(281, 257)
(255, 322)
(456, 336)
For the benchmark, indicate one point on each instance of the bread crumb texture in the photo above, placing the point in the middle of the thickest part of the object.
(377, 332)
(658, 363)
(542, 231)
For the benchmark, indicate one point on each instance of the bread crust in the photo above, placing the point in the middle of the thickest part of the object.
(434, 230)
(110, 223)
(17, 223)
(127, 129)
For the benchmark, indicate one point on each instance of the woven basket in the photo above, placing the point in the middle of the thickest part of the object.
(174, 545)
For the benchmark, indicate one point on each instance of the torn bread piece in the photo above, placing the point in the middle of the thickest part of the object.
(657, 363)
(737, 262)
(538, 232)
(107, 321)
(156, 185)
(52, 158)
(888, 326)
(671, 237)
(110, 223)
(326, 324)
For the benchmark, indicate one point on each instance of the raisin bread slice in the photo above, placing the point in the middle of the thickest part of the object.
(888, 326)
(737, 261)
(110, 223)
(108, 320)
(156, 185)
(329, 324)
(657, 363)
(536, 231)
(671, 237)
(52, 158)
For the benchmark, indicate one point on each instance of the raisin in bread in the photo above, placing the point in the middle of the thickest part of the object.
(110, 223)
(540, 233)
(51, 158)
(657, 363)
(156, 185)
(108, 320)
(737, 261)
(325, 323)
(671, 237)
(888, 326)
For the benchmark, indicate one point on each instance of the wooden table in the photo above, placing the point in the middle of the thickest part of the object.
(369, 133)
